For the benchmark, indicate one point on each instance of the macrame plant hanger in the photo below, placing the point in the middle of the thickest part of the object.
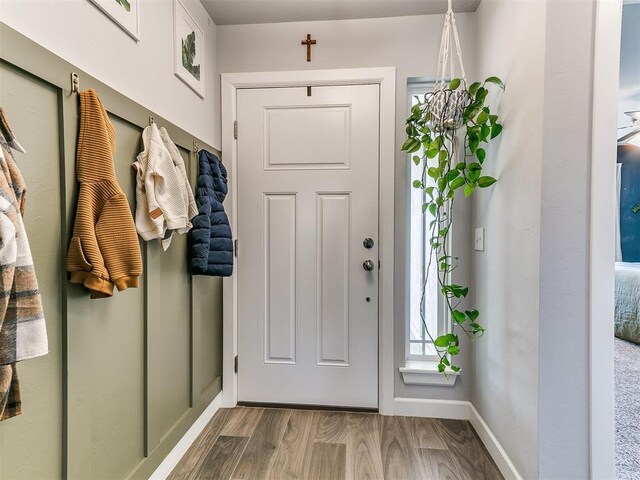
(447, 105)
(445, 58)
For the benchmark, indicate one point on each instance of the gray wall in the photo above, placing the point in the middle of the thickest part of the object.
(511, 45)
(411, 45)
(128, 375)
(564, 242)
(531, 384)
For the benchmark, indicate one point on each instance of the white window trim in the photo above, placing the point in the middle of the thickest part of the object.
(419, 369)
(421, 372)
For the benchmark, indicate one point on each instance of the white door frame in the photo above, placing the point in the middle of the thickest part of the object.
(386, 78)
(606, 63)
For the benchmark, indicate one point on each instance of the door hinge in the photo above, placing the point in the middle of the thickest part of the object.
(235, 364)
(235, 129)
(235, 247)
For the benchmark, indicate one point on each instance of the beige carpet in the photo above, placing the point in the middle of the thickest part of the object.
(627, 375)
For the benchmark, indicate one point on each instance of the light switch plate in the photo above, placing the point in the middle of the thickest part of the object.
(479, 240)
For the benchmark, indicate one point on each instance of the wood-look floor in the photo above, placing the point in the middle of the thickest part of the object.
(280, 444)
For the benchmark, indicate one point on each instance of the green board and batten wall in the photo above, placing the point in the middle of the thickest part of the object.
(126, 376)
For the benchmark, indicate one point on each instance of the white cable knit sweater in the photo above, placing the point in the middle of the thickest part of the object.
(163, 193)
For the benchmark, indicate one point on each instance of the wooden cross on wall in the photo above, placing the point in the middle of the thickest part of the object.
(308, 42)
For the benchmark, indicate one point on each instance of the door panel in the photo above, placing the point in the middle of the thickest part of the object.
(308, 196)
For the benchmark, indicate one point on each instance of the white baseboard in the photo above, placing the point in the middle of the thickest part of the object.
(504, 463)
(408, 407)
(459, 410)
(171, 460)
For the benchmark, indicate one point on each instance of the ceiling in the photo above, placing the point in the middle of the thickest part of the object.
(236, 12)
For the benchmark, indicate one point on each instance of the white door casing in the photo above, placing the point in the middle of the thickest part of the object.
(307, 198)
(231, 84)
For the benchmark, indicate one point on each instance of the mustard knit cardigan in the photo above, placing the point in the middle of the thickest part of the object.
(104, 249)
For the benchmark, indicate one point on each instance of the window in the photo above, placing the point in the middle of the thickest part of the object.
(419, 345)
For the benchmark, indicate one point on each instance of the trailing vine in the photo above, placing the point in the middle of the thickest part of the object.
(437, 124)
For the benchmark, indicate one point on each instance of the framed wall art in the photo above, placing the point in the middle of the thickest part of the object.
(189, 49)
(124, 13)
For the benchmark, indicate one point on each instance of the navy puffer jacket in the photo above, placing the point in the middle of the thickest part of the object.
(211, 245)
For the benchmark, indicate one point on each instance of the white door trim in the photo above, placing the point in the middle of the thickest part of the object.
(606, 64)
(386, 78)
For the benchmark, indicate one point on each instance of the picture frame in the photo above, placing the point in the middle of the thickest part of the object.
(124, 13)
(189, 49)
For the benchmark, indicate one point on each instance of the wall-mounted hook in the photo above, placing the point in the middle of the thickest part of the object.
(151, 121)
(75, 83)
(195, 147)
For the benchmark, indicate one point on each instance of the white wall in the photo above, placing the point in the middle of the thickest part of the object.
(511, 45)
(81, 34)
(411, 45)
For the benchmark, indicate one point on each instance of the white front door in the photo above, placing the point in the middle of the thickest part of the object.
(307, 200)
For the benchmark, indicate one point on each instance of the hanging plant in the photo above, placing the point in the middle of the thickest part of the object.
(447, 129)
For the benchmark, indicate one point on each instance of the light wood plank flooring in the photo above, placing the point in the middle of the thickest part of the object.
(281, 444)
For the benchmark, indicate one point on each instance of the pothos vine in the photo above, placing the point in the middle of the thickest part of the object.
(435, 127)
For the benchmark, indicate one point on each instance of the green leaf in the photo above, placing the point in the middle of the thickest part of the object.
(455, 83)
(473, 142)
(468, 190)
(473, 88)
(445, 360)
(441, 342)
(472, 314)
(481, 154)
(452, 175)
(458, 316)
(443, 155)
(441, 367)
(496, 81)
(416, 159)
(474, 175)
(453, 350)
(417, 184)
(457, 183)
(455, 368)
(429, 191)
(482, 117)
(409, 144)
(486, 181)
(432, 209)
(493, 119)
(485, 130)
(474, 166)
(432, 152)
(432, 172)
(496, 129)
(424, 207)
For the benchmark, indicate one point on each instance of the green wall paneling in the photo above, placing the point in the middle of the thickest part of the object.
(126, 376)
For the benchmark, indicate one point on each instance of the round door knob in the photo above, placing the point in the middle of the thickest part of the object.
(368, 242)
(368, 265)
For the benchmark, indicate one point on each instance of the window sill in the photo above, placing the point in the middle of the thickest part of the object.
(426, 373)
